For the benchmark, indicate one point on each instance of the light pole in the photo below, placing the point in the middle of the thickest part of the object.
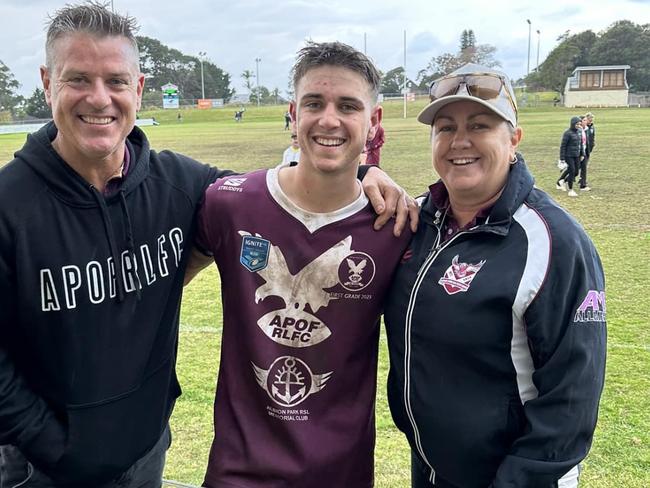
(201, 56)
(538, 36)
(528, 65)
(404, 81)
(257, 77)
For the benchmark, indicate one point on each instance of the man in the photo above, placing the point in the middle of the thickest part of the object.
(92, 229)
(287, 120)
(292, 153)
(304, 277)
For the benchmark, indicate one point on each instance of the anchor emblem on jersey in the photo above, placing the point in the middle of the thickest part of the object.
(289, 380)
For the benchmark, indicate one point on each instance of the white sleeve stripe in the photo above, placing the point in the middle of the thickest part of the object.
(570, 480)
(537, 263)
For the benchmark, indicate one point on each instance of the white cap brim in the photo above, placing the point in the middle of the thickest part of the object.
(428, 114)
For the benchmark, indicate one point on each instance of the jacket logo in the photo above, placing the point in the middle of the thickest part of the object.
(592, 308)
(459, 276)
(289, 380)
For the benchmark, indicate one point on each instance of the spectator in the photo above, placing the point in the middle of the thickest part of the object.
(292, 153)
(571, 152)
(373, 148)
(287, 120)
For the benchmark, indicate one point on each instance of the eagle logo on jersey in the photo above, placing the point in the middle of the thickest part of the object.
(357, 272)
(459, 276)
(289, 380)
(293, 325)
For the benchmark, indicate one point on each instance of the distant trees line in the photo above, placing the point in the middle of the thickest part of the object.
(624, 42)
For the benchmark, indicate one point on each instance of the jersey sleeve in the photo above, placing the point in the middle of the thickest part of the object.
(566, 330)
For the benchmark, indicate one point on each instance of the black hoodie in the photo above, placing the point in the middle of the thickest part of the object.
(89, 291)
(571, 145)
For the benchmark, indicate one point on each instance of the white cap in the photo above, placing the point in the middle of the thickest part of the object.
(502, 106)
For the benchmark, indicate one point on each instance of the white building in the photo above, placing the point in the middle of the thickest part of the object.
(597, 86)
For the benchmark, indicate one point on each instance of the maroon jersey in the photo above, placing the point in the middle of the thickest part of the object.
(302, 294)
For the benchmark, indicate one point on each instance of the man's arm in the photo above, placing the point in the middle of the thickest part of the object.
(26, 420)
(388, 199)
(197, 262)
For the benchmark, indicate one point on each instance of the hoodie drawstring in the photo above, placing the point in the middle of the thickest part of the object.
(108, 228)
(130, 245)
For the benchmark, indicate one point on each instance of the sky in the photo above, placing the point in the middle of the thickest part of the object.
(235, 33)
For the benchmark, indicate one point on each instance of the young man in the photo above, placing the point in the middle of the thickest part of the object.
(92, 229)
(304, 278)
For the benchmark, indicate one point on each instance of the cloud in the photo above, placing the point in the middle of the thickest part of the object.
(235, 33)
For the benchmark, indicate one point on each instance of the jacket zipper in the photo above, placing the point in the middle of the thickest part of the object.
(435, 250)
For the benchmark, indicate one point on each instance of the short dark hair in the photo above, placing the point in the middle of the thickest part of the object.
(93, 18)
(317, 54)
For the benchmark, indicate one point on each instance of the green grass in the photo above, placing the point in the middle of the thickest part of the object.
(616, 214)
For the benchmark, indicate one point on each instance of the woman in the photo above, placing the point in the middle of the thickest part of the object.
(496, 318)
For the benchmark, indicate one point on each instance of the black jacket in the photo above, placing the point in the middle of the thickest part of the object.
(89, 292)
(591, 138)
(571, 145)
(497, 343)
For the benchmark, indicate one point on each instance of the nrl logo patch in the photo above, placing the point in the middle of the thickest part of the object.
(289, 381)
(254, 254)
(459, 276)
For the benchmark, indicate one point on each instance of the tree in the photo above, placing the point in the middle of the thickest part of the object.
(559, 64)
(9, 99)
(467, 39)
(248, 76)
(625, 42)
(469, 52)
(36, 106)
(424, 79)
(162, 65)
(393, 81)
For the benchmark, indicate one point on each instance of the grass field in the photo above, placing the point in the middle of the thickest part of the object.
(616, 214)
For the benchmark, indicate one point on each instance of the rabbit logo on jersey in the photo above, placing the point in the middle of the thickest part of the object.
(303, 293)
(289, 381)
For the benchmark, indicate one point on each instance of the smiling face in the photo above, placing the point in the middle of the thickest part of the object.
(472, 150)
(335, 115)
(94, 88)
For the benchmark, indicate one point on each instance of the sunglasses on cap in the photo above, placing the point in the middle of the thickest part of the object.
(486, 86)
